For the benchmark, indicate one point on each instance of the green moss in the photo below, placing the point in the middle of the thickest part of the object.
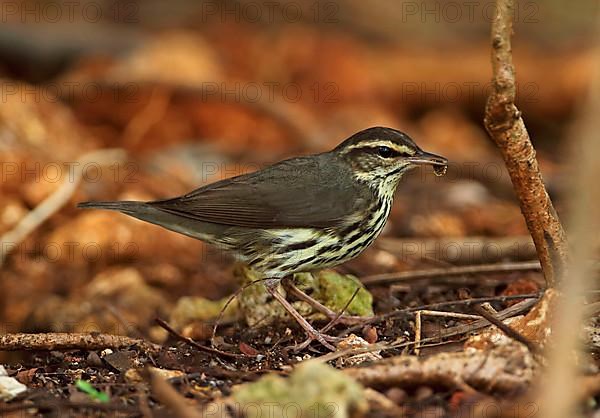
(334, 290)
(313, 390)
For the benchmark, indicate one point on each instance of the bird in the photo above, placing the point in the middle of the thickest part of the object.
(298, 215)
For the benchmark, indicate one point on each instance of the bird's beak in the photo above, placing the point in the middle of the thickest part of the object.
(428, 158)
(440, 164)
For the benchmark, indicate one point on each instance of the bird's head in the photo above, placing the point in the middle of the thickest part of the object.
(380, 156)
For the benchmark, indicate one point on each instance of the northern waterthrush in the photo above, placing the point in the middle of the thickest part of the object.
(298, 215)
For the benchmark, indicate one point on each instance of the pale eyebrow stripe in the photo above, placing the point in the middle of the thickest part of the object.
(394, 146)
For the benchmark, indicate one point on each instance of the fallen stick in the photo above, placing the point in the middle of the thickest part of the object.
(71, 341)
(516, 309)
(447, 314)
(169, 397)
(506, 369)
(193, 343)
(508, 331)
(439, 314)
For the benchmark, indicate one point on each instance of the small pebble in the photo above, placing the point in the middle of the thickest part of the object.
(370, 334)
(396, 395)
(94, 360)
(422, 393)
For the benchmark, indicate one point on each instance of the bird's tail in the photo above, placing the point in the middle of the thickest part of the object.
(149, 213)
(128, 207)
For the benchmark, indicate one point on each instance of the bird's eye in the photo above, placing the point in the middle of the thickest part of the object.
(385, 152)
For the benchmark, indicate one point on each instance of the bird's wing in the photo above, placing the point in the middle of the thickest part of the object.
(300, 192)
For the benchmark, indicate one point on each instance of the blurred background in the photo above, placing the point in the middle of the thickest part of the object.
(195, 91)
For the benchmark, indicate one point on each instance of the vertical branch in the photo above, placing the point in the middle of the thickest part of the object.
(505, 125)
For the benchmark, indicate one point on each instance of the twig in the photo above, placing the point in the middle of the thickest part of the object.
(505, 125)
(459, 330)
(417, 332)
(337, 317)
(444, 314)
(380, 279)
(489, 308)
(514, 310)
(318, 306)
(509, 312)
(419, 315)
(511, 333)
(165, 393)
(472, 301)
(70, 341)
(56, 200)
(439, 305)
(329, 325)
(193, 343)
(384, 403)
(236, 294)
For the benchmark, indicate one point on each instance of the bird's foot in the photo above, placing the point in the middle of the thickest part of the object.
(319, 307)
(313, 334)
(324, 339)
